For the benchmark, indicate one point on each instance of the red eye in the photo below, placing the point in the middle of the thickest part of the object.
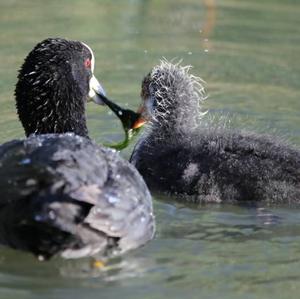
(87, 63)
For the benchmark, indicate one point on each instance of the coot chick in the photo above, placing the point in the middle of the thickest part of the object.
(179, 155)
(61, 194)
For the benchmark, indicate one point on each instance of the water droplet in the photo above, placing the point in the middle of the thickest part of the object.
(31, 182)
(113, 199)
(205, 50)
(41, 258)
(120, 112)
(25, 161)
(113, 228)
(97, 210)
(38, 218)
(134, 199)
(52, 215)
(145, 51)
(36, 83)
(190, 53)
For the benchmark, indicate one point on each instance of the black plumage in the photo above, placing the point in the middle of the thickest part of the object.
(52, 88)
(61, 194)
(181, 154)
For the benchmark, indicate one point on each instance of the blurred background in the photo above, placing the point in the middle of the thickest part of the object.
(248, 52)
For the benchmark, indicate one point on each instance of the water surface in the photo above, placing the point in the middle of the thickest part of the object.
(248, 53)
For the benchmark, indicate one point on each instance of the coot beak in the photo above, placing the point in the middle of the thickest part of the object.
(96, 91)
(128, 117)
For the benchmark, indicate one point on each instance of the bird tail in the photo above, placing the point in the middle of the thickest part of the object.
(44, 225)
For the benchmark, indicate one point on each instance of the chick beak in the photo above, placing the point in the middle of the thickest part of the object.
(140, 121)
(96, 91)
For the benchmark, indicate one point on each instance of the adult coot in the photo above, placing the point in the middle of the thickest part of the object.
(178, 154)
(60, 192)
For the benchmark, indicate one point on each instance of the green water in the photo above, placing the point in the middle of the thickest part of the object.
(248, 52)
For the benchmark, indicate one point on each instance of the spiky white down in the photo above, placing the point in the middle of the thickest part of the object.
(176, 96)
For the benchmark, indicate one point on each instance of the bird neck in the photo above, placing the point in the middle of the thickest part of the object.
(52, 107)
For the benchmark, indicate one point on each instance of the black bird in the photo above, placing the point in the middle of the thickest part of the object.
(61, 194)
(180, 154)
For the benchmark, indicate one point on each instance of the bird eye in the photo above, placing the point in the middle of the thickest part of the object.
(88, 63)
